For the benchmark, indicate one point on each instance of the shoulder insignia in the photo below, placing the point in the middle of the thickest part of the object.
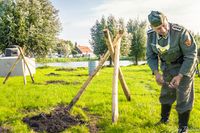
(188, 41)
(177, 27)
(149, 31)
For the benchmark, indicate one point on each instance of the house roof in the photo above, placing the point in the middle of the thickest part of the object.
(84, 49)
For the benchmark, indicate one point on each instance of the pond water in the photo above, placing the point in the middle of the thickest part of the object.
(83, 64)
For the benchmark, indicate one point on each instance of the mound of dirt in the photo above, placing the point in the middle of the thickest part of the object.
(55, 122)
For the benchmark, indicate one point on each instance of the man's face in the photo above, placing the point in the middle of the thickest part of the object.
(162, 29)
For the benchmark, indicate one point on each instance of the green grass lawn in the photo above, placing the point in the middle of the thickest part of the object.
(137, 116)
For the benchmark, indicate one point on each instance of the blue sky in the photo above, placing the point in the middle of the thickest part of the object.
(77, 17)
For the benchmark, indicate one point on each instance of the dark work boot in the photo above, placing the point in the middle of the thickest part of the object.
(165, 112)
(183, 129)
(183, 121)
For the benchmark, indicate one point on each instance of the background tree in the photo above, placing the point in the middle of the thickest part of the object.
(75, 50)
(63, 47)
(136, 29)
(32, 24)
(126, 40)
(97, 36)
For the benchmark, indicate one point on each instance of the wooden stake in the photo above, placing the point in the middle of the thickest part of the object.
(121, 77)
(100, 65)
(115, 113)
(11, 69)
(24, 74)
(23, 57)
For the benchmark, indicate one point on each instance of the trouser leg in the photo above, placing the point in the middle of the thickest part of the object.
(165, 112)
(185, 96)
(185, 99)
(167, 95)
(183, 121)
(167, 98)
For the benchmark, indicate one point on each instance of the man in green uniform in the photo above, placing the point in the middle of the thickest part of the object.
(174, 48)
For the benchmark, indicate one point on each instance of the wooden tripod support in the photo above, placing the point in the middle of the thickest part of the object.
(21, 56)
(113, 50)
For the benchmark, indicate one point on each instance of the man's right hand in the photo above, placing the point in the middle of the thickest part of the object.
(159, 78)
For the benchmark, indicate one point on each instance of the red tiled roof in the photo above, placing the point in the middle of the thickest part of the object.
(84, 49)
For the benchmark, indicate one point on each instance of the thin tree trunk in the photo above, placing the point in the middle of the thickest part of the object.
(110, 61)
(136, 60)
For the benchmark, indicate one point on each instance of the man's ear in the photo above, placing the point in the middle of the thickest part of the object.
(152, 27)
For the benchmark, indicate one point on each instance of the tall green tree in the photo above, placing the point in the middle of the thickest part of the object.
(98, 39)
(126, 39)
(136, 29)
(32, 24)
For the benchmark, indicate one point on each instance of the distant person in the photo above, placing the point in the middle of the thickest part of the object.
(174, 47)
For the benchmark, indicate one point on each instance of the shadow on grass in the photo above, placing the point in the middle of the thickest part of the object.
(52, 74)
(62, 82)
(78, 75)
(93, 120)
(66, 69)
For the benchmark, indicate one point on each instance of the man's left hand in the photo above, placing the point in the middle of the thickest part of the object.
(175, 81)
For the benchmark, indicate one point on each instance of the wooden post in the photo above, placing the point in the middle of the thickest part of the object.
(24, 70)
(121, 77)
(24, 74)
(115, 83)
(23, 57)
(11, 69)
(100, 65)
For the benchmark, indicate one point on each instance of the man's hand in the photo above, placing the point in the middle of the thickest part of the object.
(175, 81)
(159, 78)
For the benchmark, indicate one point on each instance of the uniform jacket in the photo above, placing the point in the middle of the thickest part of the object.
(182, 50)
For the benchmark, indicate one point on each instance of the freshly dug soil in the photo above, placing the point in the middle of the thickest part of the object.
(57, 121)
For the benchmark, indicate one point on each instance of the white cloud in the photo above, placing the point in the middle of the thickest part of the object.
(179, 11)
(76, 27)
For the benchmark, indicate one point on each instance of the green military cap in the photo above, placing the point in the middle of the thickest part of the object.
(156, 18)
